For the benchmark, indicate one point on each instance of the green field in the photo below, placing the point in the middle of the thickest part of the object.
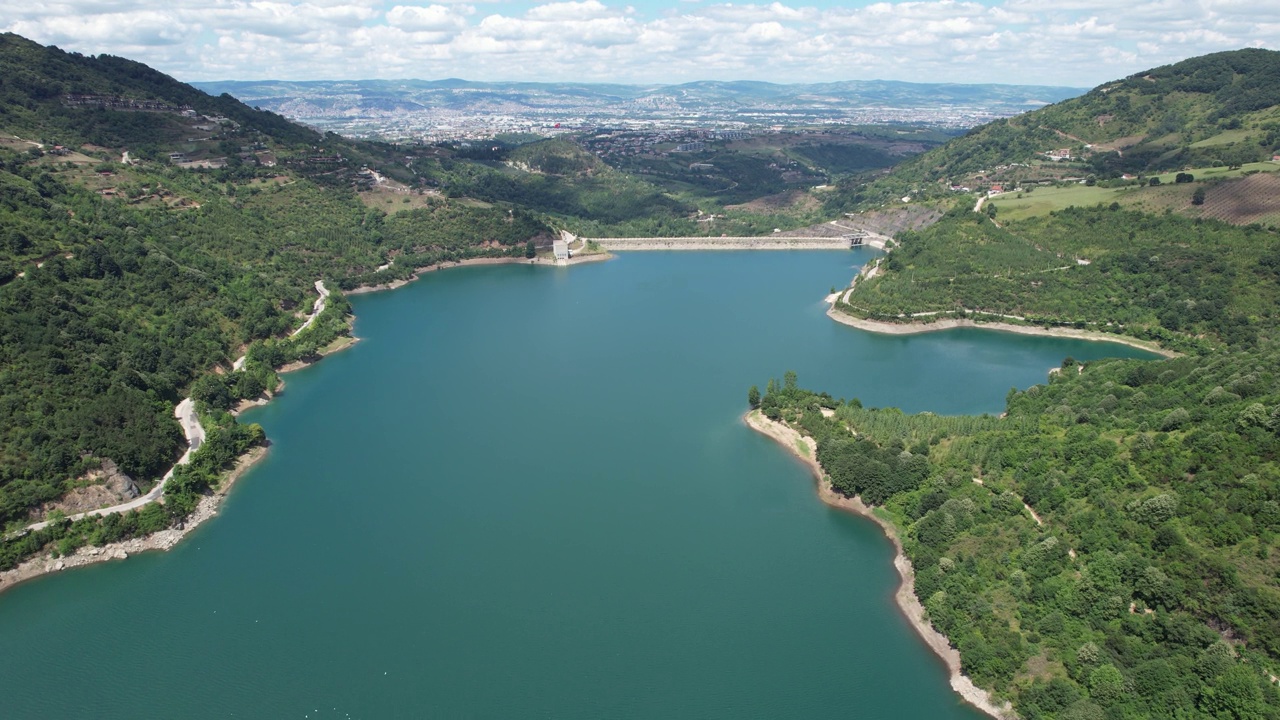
(1224, 138)
(1044, 200)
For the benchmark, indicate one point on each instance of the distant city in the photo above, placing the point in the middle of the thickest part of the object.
(457, 110)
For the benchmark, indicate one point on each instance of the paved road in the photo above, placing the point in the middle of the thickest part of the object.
(191, 427)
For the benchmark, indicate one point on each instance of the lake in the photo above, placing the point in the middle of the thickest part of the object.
(528, 493)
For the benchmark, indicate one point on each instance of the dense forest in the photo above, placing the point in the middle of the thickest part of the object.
(1185, 283)
(110, 311)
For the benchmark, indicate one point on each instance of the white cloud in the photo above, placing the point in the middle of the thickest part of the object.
(437, 18)
(1073, 42)
(569, 11)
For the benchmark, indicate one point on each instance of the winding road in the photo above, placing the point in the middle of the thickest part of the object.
(191, 427)
(316, 309)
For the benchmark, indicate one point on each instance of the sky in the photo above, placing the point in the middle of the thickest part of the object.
(1078, 43)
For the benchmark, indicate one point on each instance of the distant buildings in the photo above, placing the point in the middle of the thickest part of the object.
(561, 249)
(116, 102)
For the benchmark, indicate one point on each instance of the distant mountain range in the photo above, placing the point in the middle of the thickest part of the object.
(743, 101)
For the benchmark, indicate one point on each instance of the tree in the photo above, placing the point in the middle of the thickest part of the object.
(753, 397)
(212, 390)
(248, 385)
(530, 250)
(1197, 198)
(1235, 694)
(1106, 684)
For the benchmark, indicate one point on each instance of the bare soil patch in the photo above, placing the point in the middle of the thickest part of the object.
(790, 200)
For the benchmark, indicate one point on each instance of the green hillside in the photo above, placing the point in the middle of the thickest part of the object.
(1144, 585)
(1185, 283)
(125, 287)
(560, 179)
(1218, 109)
(1106, 548)
(38, 82)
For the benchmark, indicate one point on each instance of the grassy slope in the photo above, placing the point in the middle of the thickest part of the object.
(1140, 195)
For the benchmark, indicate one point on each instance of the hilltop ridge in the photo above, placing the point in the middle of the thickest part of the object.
(1218, 109)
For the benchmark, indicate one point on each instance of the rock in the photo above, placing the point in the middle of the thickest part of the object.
(118, 482)
(60, 566)
(101, 487)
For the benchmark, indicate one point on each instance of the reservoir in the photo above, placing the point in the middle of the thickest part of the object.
(528, 493)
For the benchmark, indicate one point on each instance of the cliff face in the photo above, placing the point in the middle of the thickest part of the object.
(104, 486)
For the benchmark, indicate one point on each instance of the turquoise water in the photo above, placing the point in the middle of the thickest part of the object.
(527, 493)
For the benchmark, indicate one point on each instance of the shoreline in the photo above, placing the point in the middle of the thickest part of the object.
(905, 596)
(918, 328)
(419, 271)
(163, 540)
(693, 243)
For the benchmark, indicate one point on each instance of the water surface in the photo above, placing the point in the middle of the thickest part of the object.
(527, 493)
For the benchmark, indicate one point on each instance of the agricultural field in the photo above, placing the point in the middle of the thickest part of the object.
(1252, 199)
(1224, 138)
(1044, 200)
(1240, 196)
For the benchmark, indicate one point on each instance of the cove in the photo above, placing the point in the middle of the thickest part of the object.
(528, 493)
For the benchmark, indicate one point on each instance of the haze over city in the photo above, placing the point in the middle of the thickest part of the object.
(1072, 42)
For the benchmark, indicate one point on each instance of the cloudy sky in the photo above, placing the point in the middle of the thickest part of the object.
(1049, 42)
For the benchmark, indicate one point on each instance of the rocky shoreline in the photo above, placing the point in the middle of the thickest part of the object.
(916, 328)
(162, 540)
(419, 271)
(905, 596)
(46, 563)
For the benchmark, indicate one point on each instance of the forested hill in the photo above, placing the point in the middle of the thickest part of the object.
(1107, 547)
(38, 82)
(1218, 109)
(130, 281)
(1186, 284)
